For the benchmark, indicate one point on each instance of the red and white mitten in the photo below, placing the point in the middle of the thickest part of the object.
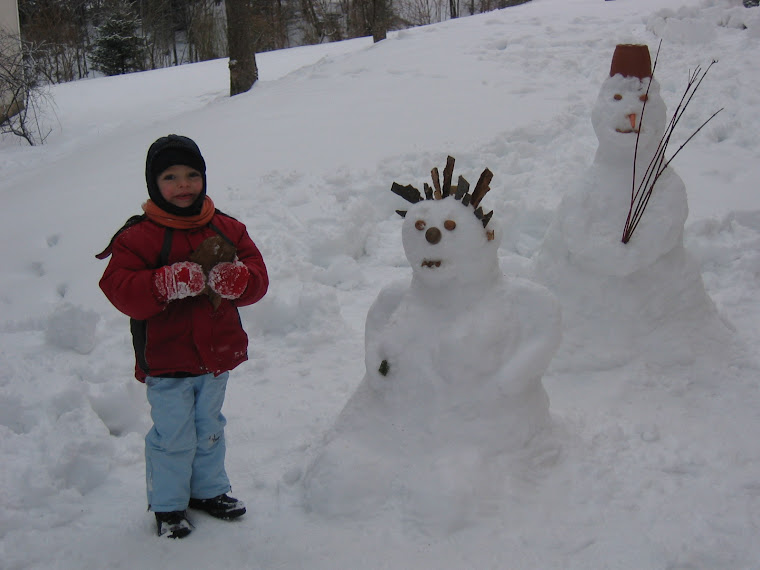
(228, 280)
(179, 280)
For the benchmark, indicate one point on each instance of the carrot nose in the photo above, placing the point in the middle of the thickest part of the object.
(632, 119)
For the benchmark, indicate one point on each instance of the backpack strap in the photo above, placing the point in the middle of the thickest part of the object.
(166, 247)
(139, 328)
(221, 233)
(128, 224)
(168, 236)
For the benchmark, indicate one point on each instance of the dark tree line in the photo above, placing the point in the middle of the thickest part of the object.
(65, 40)
(74, 37)
(118, 36)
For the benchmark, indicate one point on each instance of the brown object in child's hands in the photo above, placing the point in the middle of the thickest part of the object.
(213, 250)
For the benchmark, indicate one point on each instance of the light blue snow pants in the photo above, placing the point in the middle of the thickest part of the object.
(184, 450)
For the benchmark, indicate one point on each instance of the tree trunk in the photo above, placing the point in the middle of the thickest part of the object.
(379, 20)
(240, 45)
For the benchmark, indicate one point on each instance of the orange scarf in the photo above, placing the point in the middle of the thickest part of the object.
(164, 218)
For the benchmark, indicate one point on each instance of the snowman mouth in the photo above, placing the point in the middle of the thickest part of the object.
(632, 120)
(431, 263)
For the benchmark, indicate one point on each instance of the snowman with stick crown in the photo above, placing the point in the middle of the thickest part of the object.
(626, 299)
(452, 398)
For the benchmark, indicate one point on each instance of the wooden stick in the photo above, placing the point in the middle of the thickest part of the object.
(640, 197)
(436, 183)
(408, 192)
(481, 188)
(462, 188)
(448, 172)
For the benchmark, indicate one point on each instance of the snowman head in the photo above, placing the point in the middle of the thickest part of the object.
(447, 238)
(629, 107)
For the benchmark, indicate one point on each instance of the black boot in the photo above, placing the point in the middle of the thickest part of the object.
(221, 506)
(173, 524)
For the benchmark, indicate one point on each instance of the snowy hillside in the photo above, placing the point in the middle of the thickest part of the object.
(655, 464)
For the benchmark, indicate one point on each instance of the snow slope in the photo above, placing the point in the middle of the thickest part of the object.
(659, 465)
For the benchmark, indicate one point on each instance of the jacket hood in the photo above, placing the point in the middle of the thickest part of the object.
(168, 151)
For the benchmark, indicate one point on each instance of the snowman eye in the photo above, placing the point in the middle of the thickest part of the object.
(449, 225)
(644, 97)
(420, 224)
(617, 97)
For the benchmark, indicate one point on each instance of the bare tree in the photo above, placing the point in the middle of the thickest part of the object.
(158, 29)
(322, 20)
(368, 18)
(205, 30)
(58, 30)
(24, 94)
(241, 38)
(272, 21)
(489, 5)
(421, 12)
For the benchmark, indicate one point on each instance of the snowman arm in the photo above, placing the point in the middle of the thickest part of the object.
(378, 316)
(385, 304)
(540, 323)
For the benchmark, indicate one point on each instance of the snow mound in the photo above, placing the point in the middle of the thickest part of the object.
(72, 327)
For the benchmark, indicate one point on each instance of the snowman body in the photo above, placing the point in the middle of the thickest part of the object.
(454, 361)
(624, 299)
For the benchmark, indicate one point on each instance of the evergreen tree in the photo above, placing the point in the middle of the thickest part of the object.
(118, 47)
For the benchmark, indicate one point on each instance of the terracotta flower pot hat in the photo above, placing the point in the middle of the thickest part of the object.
(631, 60)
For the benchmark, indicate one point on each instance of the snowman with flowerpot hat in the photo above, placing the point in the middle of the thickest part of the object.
(625, 295)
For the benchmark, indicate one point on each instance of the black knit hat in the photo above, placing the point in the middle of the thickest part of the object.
(169, 151)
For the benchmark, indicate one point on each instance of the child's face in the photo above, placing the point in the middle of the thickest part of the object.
(180, 185)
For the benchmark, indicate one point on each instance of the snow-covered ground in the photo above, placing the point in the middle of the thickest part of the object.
(658, 464)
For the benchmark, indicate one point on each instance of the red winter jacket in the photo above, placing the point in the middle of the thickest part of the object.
(186, 337)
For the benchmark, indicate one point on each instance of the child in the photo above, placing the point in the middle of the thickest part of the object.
(186, 329)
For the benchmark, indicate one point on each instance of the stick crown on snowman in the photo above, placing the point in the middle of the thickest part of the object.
(460, 192)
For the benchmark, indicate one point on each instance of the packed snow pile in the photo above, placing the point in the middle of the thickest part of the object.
(698, 24)
(72, 327)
